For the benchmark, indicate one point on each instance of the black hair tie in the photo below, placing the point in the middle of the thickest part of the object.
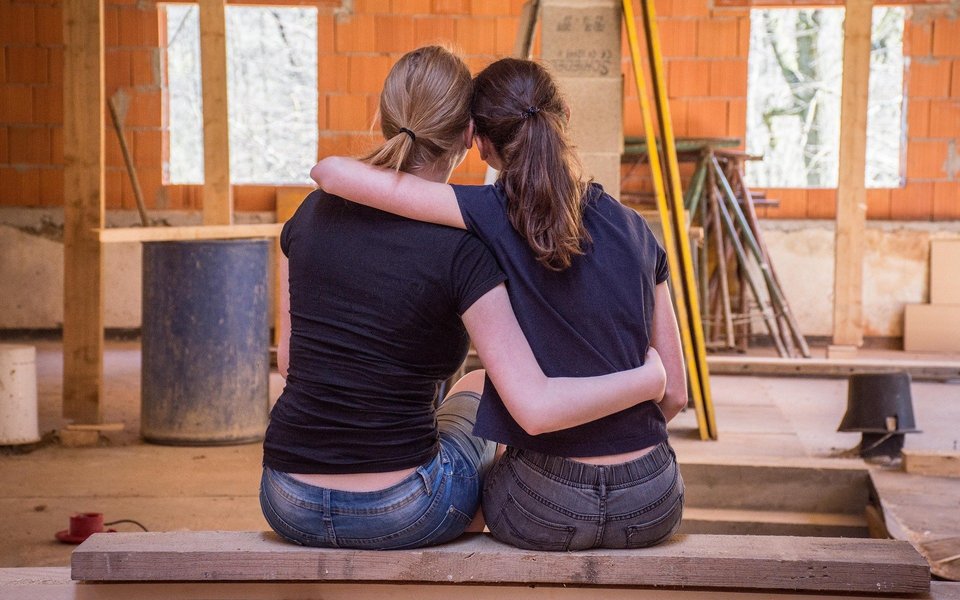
(413, 136)
(530, 111)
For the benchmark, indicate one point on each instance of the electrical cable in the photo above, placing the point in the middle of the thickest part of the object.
(137, 523)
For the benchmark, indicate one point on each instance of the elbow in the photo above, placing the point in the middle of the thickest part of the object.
(320, 170)
(532, 421)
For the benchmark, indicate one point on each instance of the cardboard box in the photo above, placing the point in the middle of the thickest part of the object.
(581, 39)
(931, 328)
(596, 113)
(945, 271)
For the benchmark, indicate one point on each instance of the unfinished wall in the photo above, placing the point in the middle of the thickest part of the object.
(705, 44)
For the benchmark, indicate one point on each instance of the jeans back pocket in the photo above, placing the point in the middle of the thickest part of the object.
(658, 528)
(518, 526)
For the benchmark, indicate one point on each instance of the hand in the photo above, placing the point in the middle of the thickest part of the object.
(652, 360)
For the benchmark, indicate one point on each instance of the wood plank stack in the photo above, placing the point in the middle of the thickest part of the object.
(935, 327)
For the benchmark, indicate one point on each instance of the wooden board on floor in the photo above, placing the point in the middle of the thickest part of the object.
(53, 583)
(932, 370)
(714, 561)
(933, 464)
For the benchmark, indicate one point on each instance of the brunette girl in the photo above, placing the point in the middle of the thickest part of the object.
(587, 282)
(356, 453)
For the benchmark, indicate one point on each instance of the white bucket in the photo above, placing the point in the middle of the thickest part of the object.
(18, 395)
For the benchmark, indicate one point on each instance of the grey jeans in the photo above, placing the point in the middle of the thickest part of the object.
(542, 502)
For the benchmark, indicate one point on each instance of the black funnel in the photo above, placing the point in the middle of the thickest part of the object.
(879, 403)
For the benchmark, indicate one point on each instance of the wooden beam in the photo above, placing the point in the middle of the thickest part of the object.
(217, 195)
(851, 189)
(714, 561)
(53, 583)
(83, 154)
(190, 232)
(920, 370)
(932, 464)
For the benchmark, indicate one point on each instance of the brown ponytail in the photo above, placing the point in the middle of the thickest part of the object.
(517, 107)
(424, 110)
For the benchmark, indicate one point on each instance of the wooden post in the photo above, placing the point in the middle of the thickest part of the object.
(851, 192)
(83, 152)
(217, 195)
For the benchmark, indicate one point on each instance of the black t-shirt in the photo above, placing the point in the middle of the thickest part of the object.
(593, 318)
(375, 305)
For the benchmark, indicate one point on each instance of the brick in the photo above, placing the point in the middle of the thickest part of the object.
(29, 145)
(17, 24)
(148, 147)
(151, 186)
(16, 104)
(929, 79)
(945, 118)
(678, 37)
(29, 187)
(55, 65)
(114, 180)
(326, 34)
(255, 197)
(679, 110)
(707, 118)
(717, 38)
(451, 7)
(434, 30)
(355, 34)
(49, 21)
(661, 8)
(48, 105)
(737, 120)
(367, 73)
(477, 36)
(946, 200)
(116, 65)
(821, 203)
(917, 37)
(925, 159)
(3, 67)
(111, 27)
(632, 117)
(27, 65)
(490, 8)
(333, 73)
(9, 186)
(145, 109)
(145, 67)
(113, 157)
(506, 35)
(373, 6)
(946, 37)
(793, 203)
(56, 145)
(728, 78)
(688, 8)
(4, 157)
(955, 80)
(394, 33)
(687, 78)
(348, 112)
(918, 118)
(410, 7)
(913, 202)
(878, 204)
(336, 143)
(322, 120)
(51, 187)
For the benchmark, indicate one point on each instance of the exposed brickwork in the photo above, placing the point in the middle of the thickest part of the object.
(705, 44)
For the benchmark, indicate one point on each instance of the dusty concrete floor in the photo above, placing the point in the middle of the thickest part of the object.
(170, 488)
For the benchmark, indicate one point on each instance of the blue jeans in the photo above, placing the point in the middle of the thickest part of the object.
(431, 506)
(541, 502)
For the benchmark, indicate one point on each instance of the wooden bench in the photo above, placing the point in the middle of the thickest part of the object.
(716, 562)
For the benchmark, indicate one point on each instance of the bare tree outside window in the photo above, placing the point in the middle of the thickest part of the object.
(271, 88)
(793, 97)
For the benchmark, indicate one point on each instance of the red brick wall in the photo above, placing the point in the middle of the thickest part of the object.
(705, 49)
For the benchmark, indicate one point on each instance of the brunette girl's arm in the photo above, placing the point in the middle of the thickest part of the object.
(398, 193)
(665, 337)
(540, 404)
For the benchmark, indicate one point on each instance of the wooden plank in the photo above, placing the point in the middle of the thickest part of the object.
(933, 464)
(942, 370)
(83, 155)
(714, 561)
(769, 522)
(851, 188)
(53, 583)
(217, 195)
(118, 235)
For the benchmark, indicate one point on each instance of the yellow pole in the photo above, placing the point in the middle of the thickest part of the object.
(668, 238)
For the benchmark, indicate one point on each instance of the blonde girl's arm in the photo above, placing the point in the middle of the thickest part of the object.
(541, 404)
(387, 190)
(665, 337)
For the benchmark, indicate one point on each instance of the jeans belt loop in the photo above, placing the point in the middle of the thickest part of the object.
(427, 484)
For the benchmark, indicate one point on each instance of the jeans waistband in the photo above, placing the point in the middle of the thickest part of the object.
(574, 471)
